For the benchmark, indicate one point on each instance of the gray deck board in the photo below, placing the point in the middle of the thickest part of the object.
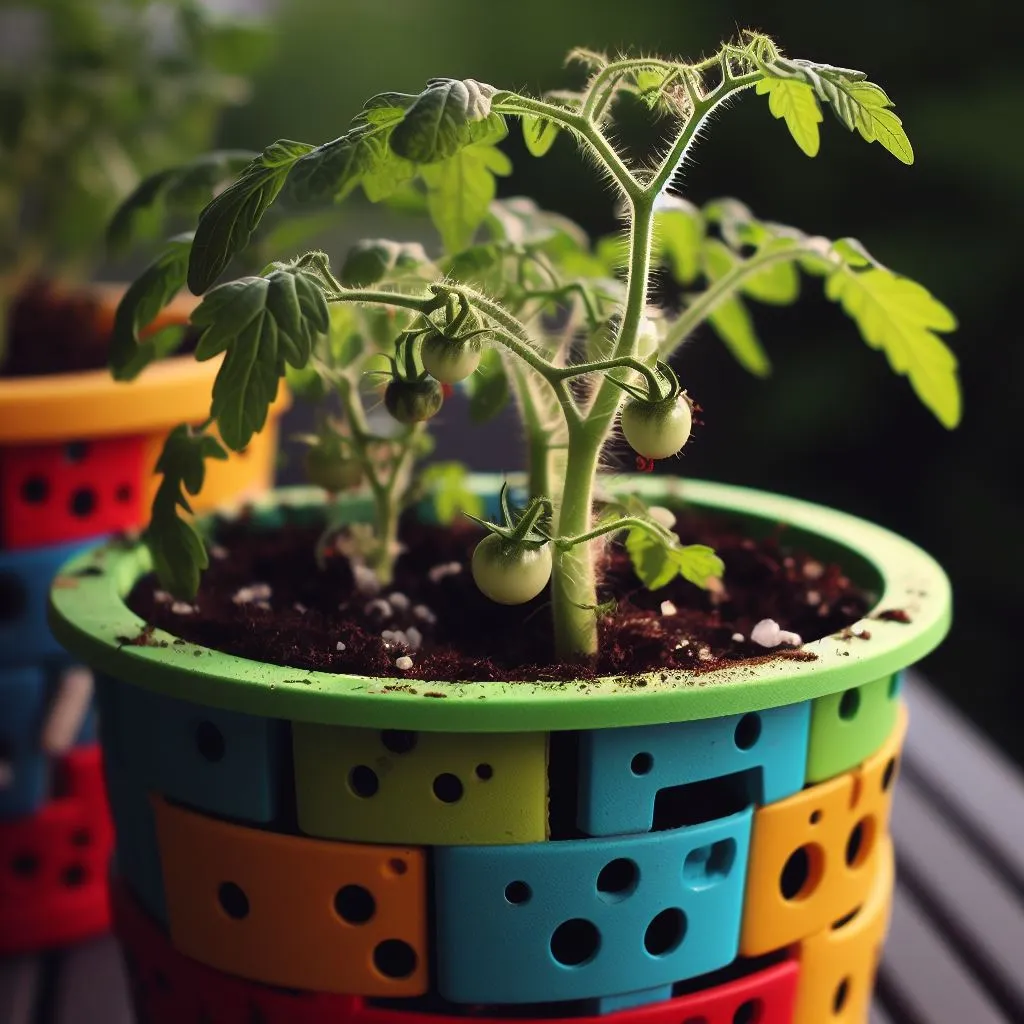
(91, 986)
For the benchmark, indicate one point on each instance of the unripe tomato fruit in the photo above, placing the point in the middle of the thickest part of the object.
(448, 361)
(329, 468)
(509, 572)
(657, 430)
(413, 401)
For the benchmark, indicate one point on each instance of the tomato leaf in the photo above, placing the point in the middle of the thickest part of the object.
(227, 223)
(447, 486)
(901, 318)
(794, 101)
(679, 232)
(657, 563)
(539, 134)
(140, 305)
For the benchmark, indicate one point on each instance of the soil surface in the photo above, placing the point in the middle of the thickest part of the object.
(264, 598)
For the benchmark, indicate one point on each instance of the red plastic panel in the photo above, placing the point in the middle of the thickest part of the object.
(171, 988)
(54, 864)
(63, 492)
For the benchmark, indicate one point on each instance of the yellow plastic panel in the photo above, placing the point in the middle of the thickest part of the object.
(813, 856)
(286, 910)
(837, 966)
(444, 789)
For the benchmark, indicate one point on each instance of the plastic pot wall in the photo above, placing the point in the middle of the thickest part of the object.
(298, 847)
(77, 454)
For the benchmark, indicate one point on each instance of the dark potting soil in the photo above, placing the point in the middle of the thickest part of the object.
(264, 598)
(51, 332)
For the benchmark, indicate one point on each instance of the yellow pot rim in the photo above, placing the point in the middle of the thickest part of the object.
(66, 406)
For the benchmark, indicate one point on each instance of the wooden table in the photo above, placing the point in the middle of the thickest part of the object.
(955, 954)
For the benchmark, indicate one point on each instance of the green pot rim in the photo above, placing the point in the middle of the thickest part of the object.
(88, 613)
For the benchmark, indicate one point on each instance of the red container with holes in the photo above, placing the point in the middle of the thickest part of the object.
(54, 864)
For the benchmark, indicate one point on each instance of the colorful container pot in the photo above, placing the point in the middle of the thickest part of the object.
(295, 846)
(77, 454)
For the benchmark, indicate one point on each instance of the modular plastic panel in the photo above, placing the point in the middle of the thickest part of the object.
(419, 787)
(61, 492)
(286, 910)
(25, 768)
(223, 762)
(588, 918)
(847, 727)
(838, 965)
(53, 864)
(622, 770)
(813, 856)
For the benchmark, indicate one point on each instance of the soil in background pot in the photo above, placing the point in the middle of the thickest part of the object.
(264, 598)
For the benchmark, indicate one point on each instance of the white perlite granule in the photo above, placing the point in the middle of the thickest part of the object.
(668, 608)
(767, 633)
(339, 646)
(182, 608)
(404, 663)
(438, 572)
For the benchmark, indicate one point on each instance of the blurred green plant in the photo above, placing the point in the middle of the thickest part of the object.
(95, 95)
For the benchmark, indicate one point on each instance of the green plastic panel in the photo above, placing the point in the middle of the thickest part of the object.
(849, 726)
(424, 789)
(90, 618)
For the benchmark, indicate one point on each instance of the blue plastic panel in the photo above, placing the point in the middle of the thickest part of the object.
(589, 918)
(222, 762)
(25, 578)
(22, 708)
(622, 770)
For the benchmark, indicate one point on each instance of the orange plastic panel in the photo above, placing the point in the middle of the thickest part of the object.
(302, 913)
(837, 966)
(814, 856)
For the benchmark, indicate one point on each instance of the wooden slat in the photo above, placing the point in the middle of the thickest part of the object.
(91, 986)
(19, 987)
(966, 900)
(979, 786)
(929, 978)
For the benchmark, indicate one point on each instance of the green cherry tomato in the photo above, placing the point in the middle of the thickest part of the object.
(657, 430)
(327, 467)
(509, 572)
(448, 361)
(412, 401)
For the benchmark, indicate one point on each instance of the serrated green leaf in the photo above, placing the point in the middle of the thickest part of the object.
(446, 116)
(737, 224)
(539, 134)
(679, 233)
(447, 485)
(657, 563)
(262, 323)
(778, 283)
(900, 318)
(227, 223)
(146, 296)
(649, 82)
(372, 259)
(697, 563)
(732, 323)
(487, 388)
(460, 190)
(794, 102)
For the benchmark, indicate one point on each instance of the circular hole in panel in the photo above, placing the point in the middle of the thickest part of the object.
(398, 741)
(397, 866)
(849, 705)
(518, 892)
(394, 958)
(708, 865)
(123, 494)
(82, 503)
(842, 994)
(233, 900)
(749, 1012)
(575, 942)
(13, 597)
(76, 451)
(618, 879)
(355, 904)
(35, 490)
(889, 774)
(25, 864)
(858, 846)
(748, 731)
(81, 837)
(815, 817)
(209, 741)
(73, 876)
(641, 764)
(363, 781)
(799, 877)
(665, 932)
(448, 788)
(484, 772)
